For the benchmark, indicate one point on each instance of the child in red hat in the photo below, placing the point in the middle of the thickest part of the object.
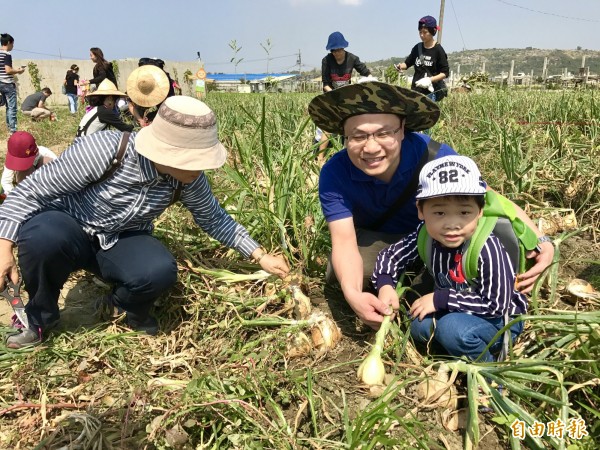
(22, 158)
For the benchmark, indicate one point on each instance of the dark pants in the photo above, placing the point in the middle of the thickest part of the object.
(52, 245)
(370, 243)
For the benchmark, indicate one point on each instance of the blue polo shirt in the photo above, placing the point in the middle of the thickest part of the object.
(346, 191)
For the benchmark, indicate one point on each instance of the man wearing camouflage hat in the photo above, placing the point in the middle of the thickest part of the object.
(367, 190)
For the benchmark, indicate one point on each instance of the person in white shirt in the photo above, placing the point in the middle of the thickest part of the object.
(23, 157)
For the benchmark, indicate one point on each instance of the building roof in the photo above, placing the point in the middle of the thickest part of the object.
(256, 77)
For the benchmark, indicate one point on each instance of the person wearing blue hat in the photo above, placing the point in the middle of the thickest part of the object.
(430, 62)
(336, 71)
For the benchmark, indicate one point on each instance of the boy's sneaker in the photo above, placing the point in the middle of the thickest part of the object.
(26, 337)
(149, 325)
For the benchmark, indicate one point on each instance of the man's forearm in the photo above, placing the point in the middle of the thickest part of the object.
(348, 267)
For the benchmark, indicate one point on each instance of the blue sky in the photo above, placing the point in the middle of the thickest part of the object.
(375, 29)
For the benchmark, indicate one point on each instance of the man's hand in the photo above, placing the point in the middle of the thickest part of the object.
(369, 309)
(275, 265)
(422, 307)
(8, 266)
(526, 280)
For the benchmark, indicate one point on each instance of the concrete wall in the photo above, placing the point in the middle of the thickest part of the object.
(52, 73)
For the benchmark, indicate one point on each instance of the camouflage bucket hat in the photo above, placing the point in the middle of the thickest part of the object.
(330, 110)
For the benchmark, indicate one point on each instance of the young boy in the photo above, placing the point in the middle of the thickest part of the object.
(460, 318)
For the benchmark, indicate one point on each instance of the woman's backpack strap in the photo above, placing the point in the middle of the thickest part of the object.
(118, 159)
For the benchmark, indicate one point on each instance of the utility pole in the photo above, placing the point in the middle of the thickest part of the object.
(299, 62)
(441, 21)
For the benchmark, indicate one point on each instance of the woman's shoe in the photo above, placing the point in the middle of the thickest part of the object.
(26, 337)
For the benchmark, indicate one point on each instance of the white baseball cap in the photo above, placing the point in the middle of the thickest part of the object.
(450, 175)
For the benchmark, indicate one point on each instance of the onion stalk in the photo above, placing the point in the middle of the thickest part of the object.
(227, 276)
(372, 371)
(325, 333)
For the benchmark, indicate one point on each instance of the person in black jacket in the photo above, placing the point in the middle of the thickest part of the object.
(336, 71)
(430, 62)
(103, 68)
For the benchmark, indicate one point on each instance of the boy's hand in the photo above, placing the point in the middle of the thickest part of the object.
(422, 307)
(388, 296)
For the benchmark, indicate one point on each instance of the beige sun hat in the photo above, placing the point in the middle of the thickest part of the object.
(183, 135)
(107, 87)
(147, 86)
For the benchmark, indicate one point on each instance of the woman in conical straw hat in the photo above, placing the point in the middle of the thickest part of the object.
(104, 112)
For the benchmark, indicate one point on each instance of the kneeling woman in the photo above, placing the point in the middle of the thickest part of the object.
(104, 112)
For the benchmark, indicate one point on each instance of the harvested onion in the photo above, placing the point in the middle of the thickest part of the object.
(372, 370)
(325, 333)
(298, 345)
(301, 303)
(582, 289)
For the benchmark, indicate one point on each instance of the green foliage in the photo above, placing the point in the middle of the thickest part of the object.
(115, 67)
(499, 60)
(235, 60)
(271, 184)
(34, 74)
(391, 75)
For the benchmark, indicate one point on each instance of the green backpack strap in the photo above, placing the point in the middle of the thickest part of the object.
(485, 226)
(424, 245)
(499, 206)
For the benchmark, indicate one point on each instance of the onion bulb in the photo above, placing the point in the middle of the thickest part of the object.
(300, 302)
(325, 334)
(372, 370)
(298, 345)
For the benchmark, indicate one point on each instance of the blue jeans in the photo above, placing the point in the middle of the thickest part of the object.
(10, 92)
(52, 245)
(460, 334)
(72, 103)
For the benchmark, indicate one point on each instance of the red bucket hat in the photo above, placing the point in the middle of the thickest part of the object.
(22, 151)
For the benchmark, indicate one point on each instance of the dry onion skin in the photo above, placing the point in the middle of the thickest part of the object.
(582, 289)
(438, 390)
(325, 334)
(298, 345)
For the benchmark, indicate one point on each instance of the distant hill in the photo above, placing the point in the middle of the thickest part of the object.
(497, 60)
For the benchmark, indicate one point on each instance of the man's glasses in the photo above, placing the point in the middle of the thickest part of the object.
(382, 137)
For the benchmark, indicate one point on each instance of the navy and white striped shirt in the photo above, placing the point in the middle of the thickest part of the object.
(5, 60)
(491, 294)
(130, 199)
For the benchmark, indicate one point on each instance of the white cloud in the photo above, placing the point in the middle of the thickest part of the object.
(351, 2)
